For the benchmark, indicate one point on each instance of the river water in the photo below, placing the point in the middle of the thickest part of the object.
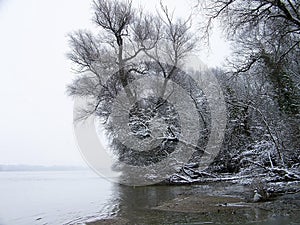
(54, 197)
(75, 197)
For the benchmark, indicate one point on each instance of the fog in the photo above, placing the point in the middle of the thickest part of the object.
(36, 114)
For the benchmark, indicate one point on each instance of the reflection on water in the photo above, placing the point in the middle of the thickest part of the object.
(135, 203)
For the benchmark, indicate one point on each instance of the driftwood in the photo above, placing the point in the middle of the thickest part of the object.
(282, 173)
(190, 175)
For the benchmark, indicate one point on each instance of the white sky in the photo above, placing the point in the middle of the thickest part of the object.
(36, 115)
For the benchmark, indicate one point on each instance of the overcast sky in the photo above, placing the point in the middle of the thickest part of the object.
(36, 115)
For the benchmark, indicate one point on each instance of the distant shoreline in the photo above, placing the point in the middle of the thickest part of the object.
(15, 168)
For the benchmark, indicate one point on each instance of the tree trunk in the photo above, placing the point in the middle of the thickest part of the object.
(122, 72)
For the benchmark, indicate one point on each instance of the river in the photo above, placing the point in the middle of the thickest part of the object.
(76, 197)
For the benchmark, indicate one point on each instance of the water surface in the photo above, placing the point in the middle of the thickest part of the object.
(54, 197)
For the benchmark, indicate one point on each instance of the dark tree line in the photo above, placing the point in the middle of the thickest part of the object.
(261, 84)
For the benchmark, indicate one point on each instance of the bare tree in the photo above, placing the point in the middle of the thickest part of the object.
(131, 43)
(128, 35)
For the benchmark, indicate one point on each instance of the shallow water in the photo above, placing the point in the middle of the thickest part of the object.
(81, 196)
